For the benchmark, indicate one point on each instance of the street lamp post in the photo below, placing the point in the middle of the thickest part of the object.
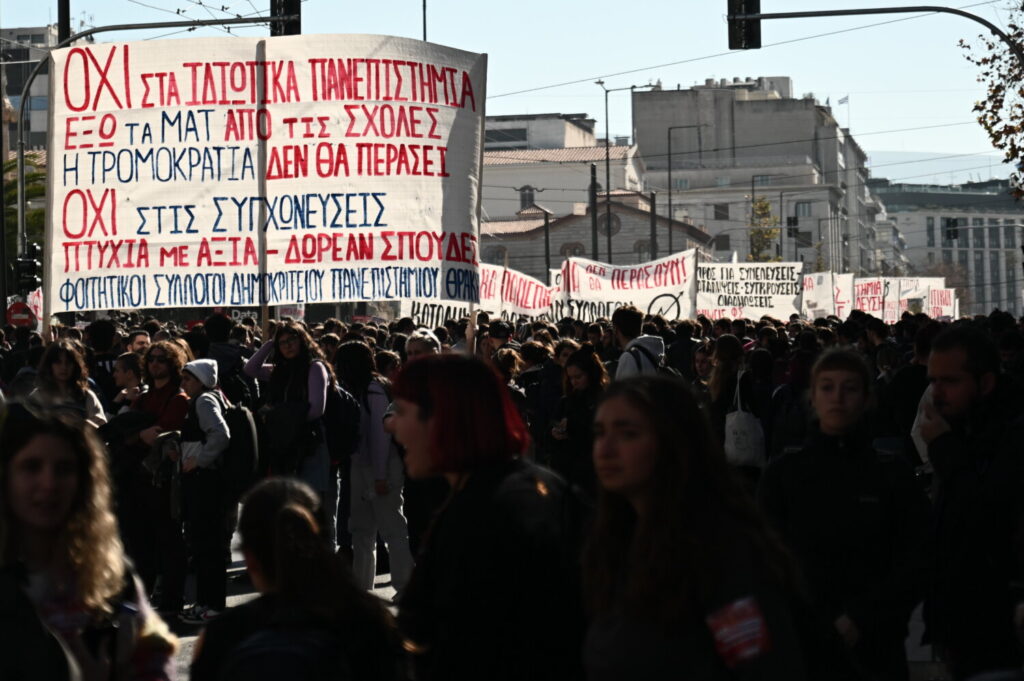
(700, 162)
(608, 162)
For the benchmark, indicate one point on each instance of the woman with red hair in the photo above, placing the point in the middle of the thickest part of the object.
(493, 594)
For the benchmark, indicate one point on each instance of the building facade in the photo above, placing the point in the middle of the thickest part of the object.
(969, 233)
(726, 143)
(21, 49)
(538, 131)
(556, 178)
(519, 242)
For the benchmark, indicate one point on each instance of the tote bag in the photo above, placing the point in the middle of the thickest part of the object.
(744, 436)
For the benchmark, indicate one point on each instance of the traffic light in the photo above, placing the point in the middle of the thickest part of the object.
(28, 268)
(744, 34)
(27, 273)
(284, 8)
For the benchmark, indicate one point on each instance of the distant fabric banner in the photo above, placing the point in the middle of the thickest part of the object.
(819, 295)
(750, 290)
(351, 161)
(592, 289)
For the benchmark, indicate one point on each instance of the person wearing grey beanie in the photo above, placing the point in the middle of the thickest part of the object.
(204, 439)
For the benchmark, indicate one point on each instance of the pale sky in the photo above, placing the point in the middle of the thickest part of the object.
(905, 75)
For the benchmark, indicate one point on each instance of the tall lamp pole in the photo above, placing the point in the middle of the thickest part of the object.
(700, 153)
(608, 161)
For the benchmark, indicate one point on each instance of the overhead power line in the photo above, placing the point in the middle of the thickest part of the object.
(691, 60)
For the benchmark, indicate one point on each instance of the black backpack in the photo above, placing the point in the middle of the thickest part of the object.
(341, 421)
(236, 389)
(278, 653)
(659, 367)
(241, 460)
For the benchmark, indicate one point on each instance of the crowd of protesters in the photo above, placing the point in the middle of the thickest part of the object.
(632, 498)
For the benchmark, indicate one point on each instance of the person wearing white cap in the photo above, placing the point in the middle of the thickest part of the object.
(204, 438)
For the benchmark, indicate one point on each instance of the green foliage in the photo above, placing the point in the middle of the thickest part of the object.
(35, 188)
(764, 232)
(1001, 113)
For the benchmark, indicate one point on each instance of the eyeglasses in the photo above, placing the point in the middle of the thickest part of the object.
(162, 359)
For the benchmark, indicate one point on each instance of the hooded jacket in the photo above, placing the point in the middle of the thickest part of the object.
(205, 434)
(636, 362)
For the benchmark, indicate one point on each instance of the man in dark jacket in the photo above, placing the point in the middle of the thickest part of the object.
(857, 522)
(974, 435)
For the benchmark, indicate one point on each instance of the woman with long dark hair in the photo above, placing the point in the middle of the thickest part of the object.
(376, 477)
(310, 621)
(585, 379)
(70, 606)
(297, 379)
(493, 592)
(62, 383)
(682, 577)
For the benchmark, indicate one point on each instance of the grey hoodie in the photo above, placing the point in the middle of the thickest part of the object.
(636, 363)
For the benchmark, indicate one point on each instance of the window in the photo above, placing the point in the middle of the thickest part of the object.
(1010, 236)
(37, 103)
(930, 228)
(38, 39)
(572, 250)
(947, 257)
(803, 209)
(947, 225)
(931, 257)
(680, 183)
(961, 260)
(993, 237)
(501, 136)
(525, 197)
(995, 278)
(602, 224)
(979, 276)
(723, 181)
(803, 239)
(722, 243)
(642, 249)
(762, 180)
(721, 211)
(495, 255)
(979, 234)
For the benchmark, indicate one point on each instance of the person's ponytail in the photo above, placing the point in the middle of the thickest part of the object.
(303, 560)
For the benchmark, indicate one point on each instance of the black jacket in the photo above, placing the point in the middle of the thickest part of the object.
(857, 522)
(978, 527)
(495, 591)
(27, 648)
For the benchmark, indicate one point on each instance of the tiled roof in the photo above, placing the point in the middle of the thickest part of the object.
(33, 157)
(566, 155)
(496, 227)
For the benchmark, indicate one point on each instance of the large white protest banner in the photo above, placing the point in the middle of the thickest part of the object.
(751, 290)
(869, 295)
(900, 290)
(434, 313)
(524, 296)
(351, 161)
(942, 303)
(843, 294)
(819, 296)
(592, 289)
